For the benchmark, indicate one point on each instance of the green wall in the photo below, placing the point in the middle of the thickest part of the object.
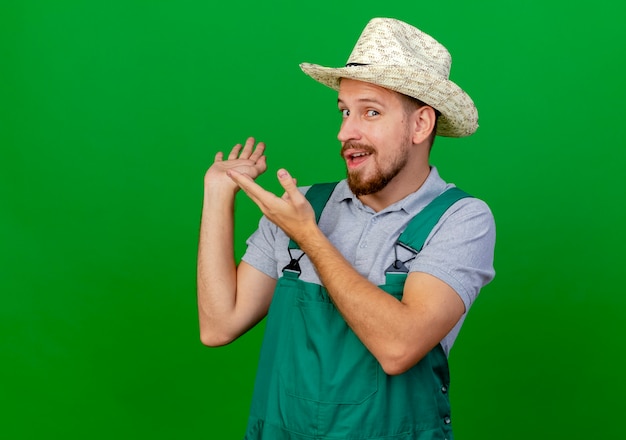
(110, 111)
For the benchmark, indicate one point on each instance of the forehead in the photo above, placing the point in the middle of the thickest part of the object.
(352, 91)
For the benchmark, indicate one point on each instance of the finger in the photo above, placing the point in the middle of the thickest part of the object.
(234, 153)
(245, 182)
(288, 183)
(261, 164)
(285, 195)
(258, 152)
(258, 195)
(247, 149)
(219, 157)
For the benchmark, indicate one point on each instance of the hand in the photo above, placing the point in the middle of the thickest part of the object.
(246, 160)
(292, 212)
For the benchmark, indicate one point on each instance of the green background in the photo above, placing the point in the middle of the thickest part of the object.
(111, 111)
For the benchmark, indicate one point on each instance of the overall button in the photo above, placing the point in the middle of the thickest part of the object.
(444, 389)
(447, 420)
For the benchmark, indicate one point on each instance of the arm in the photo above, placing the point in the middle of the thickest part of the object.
(397, 333)
(231, 299)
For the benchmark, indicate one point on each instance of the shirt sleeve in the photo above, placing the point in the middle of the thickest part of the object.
(460, 249)
(260, 251)
(263, 244)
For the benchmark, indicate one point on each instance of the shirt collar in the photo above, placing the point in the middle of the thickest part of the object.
(433, 186)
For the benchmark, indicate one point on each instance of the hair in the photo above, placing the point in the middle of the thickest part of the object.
(411, 104)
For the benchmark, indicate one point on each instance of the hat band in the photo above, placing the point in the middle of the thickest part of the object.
(356, 64)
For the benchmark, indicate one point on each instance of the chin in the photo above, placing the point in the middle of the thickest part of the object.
(365, 188)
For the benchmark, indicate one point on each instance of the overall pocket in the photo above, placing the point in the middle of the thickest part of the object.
(325, 361)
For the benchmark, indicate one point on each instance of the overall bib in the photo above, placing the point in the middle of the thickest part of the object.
(316, 379)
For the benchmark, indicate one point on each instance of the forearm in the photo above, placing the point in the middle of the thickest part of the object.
(231, 299)
(382, 323)
(216, 271)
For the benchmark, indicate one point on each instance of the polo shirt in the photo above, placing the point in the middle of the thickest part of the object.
(459, 250)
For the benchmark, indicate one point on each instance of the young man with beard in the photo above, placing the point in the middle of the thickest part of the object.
(369, 280)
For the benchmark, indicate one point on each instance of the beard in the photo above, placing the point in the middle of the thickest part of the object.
(383, 173)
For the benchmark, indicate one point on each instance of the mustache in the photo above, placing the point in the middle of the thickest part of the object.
(356, 146)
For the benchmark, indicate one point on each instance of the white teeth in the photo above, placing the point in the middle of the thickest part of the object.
(359, 154)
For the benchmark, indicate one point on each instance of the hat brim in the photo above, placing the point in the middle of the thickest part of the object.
(459, 116)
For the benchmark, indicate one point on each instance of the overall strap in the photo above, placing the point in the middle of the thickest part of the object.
(421, 225)
(317, 196)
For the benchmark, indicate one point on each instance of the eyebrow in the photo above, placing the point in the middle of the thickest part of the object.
(363, 101)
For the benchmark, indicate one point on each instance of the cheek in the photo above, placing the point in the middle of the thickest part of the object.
(381, 135)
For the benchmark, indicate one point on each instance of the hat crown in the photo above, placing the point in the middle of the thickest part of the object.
(390, 42)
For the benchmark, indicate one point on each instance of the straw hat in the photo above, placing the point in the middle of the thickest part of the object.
(400, 57)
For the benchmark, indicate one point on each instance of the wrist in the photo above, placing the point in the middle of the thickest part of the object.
(219, 186)
(220, 195)
(310, 239)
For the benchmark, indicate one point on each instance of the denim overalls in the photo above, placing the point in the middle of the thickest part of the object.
(316, 380)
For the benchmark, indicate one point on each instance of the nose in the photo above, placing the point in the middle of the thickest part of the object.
(349, 130)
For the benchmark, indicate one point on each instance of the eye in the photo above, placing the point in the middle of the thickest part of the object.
(372, 113)
(345, 113)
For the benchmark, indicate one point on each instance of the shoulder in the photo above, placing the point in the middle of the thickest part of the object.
(467, 224)
(469, 211)
(469, 206)
(460, 249)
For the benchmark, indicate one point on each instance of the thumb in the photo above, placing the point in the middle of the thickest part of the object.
(287, 182)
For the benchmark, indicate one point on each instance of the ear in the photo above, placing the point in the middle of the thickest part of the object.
(424, 119)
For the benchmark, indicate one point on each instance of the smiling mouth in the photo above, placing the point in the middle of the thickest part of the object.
(356, 159)
(356, 154)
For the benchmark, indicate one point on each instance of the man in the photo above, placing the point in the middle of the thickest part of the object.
(362, 318)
